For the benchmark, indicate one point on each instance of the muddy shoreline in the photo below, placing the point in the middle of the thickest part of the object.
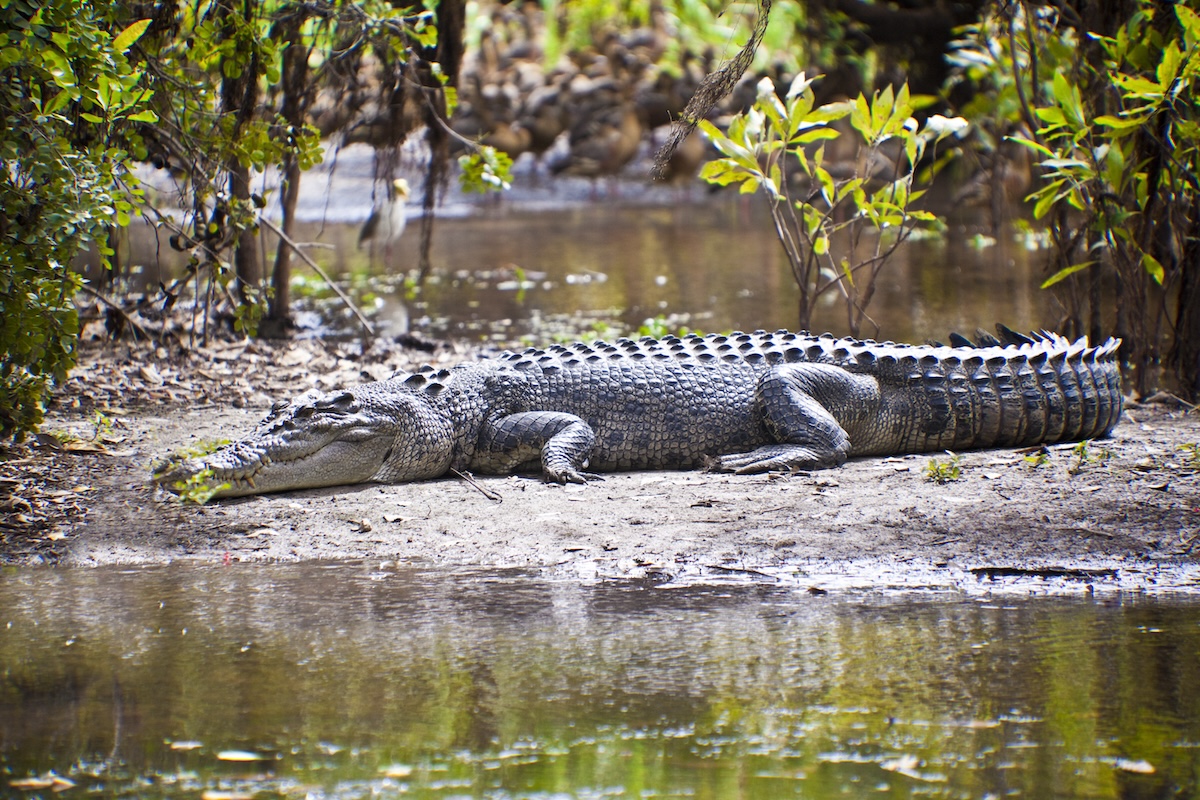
(1124, 516)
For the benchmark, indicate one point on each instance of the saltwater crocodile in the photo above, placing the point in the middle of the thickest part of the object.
(734, 403)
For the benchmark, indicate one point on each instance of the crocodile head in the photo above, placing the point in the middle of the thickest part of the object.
(376, 431)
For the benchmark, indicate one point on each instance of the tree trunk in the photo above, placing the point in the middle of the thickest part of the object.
(246, 259)
(452, 21)
(294, 79)
(1185, 353)
(239, 97)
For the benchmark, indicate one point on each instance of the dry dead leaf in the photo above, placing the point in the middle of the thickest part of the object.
(150, 374)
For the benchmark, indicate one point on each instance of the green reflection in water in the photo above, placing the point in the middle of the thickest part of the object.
(353, 682)
(716, 265)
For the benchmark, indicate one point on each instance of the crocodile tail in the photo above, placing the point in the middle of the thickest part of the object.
(1045, 390)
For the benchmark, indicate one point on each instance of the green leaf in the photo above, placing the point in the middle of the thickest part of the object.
(815, 135)
(144, 116)
(1138, 87)
(1155, 269)
(1114, 167)
(1189, 20)
(1065, 273)
(1046, 198)
(1032, 145)
(127, 37)
(800, 85)
(1120, 123)
(1051, 115)
(1069, 100)
(860, 118)
(1168, 68)
(1064, 163)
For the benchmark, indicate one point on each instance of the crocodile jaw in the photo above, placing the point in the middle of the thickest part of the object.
(249, 468)
(316, 440)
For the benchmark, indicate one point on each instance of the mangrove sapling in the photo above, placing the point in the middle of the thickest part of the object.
(943, 472)
(778, 147)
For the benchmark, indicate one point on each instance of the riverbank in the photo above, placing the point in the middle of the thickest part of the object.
(1120, 514)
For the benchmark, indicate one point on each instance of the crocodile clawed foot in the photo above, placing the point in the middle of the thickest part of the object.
(775, 458)
(572, 476)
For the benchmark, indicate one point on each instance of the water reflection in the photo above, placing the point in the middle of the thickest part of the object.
(713, 266)
(352, 681)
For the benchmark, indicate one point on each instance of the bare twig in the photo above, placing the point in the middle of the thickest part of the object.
(469, 478)
(124, 315)
(712, 90)
(317, 269)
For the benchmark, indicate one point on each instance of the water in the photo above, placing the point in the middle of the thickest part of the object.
(348, 681)
(712, 265)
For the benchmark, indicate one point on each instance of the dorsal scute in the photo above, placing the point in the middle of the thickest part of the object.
(760, 349)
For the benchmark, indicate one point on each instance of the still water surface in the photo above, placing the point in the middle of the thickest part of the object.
(505, 272)
(355, 681)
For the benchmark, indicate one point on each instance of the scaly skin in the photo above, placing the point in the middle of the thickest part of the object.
(738, 403)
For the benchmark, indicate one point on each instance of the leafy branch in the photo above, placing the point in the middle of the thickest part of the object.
(778, 147)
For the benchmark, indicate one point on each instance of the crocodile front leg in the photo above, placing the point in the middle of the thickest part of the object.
(561, 441)
(798, 404)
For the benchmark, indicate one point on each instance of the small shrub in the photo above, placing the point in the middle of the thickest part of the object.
(199, 488)
(1038, 458)
(1191, 454)
(942, 472)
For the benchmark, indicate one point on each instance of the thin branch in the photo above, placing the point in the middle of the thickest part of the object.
(715, 87)
(113, 306)
(470, 479)
(1026, 111)
(317, 269)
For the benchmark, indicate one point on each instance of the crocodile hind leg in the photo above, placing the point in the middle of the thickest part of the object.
(562, 442)
(795, 401)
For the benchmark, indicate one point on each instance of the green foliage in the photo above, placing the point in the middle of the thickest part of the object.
(485, 169)
(201, 448)
(692, 27)
(70, 102)
(943, 472)
(1191, 454)
(660, 326)
(1109, 120)
(779, 146)
(996, 68)
(102, 423)
(1084, 455)
(1091, 160)
(1038, 458)
(198, 489)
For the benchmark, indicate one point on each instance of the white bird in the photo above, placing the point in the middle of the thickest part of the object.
(386, 223)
